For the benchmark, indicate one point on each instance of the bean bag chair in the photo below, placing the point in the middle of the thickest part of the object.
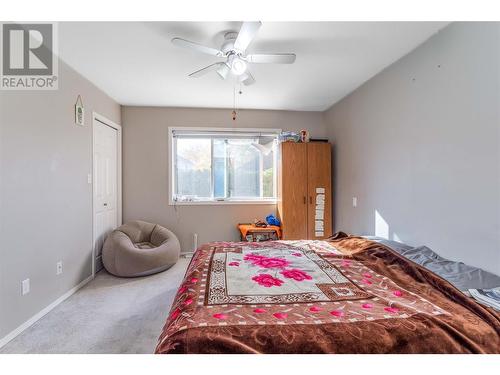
(139, 248)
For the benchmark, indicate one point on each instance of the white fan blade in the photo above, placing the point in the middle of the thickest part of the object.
(276, 58)
(247, 33)
(197, 47)
(206, 70)
(247, 78)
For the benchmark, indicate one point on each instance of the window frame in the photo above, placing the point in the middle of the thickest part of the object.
(172, 170)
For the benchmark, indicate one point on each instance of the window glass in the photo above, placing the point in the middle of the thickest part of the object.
(268, 175)
(219, 161)
(243, 168)
(193, 165)
(223, 167)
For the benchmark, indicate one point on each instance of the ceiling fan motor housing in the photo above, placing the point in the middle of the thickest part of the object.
(229, 39)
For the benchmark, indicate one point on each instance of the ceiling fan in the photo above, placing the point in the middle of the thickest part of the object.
(233, 50)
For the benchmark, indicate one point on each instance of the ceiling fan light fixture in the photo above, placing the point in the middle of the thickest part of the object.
(238, 66)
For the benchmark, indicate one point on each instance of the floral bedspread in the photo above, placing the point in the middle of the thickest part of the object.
(315, 297)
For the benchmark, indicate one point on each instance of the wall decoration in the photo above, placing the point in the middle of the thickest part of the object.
(319, 223)
(79, 112)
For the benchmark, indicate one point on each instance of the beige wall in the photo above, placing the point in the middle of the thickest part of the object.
(420, 144)
(45, 199)
(145, 168)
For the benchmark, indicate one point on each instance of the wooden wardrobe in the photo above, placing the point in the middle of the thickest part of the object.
(304, 182)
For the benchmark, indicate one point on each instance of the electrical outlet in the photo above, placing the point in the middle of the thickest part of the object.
(89, 178)
(59, 268)
(355, 201)
(25, 286)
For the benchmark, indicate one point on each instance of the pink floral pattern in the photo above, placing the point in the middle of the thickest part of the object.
(234, 264)
(366, 281)
(297, 254)
(337, 313)
(296, 274)
(397, 293)
(267, 280)
(280, 315)
(220, 316)
(175, 314)
(315, 309)
(367, 275)
(366, 305)
(253, 257)
(266, 262)
(188, 301)
(260, 311)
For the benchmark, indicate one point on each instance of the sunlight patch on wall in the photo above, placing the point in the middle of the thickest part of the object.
(396, 238)
(381, 226)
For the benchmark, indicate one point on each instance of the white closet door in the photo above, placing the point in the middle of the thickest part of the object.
(105, 191)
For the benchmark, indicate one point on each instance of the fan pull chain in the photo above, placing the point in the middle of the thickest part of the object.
(234, 101)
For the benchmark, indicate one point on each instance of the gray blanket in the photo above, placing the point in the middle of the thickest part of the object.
(459, 274)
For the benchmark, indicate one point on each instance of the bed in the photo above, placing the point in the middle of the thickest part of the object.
(346, 295)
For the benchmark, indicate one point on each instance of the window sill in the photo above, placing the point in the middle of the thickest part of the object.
(222, 203)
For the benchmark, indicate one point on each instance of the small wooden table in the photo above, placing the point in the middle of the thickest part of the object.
(251, 233)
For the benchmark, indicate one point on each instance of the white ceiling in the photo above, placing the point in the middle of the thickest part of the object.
(135, 63)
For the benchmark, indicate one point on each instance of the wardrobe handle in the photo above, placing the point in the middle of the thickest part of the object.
(310, 200)
(304, 199)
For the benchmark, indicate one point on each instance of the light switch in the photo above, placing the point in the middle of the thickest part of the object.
(25, 284)
(355, 201)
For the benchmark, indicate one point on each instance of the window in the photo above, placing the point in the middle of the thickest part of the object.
(221, 165)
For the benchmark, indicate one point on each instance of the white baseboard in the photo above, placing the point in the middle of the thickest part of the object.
(4, 340)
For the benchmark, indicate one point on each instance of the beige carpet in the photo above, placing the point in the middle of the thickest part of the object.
(108, 315)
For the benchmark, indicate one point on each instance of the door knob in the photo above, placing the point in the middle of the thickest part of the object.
(105, 204)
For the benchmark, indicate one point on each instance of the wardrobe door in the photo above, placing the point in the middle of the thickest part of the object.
(292, 190)
(319, 189)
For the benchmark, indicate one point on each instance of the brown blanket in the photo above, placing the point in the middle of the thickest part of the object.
(348, 295)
